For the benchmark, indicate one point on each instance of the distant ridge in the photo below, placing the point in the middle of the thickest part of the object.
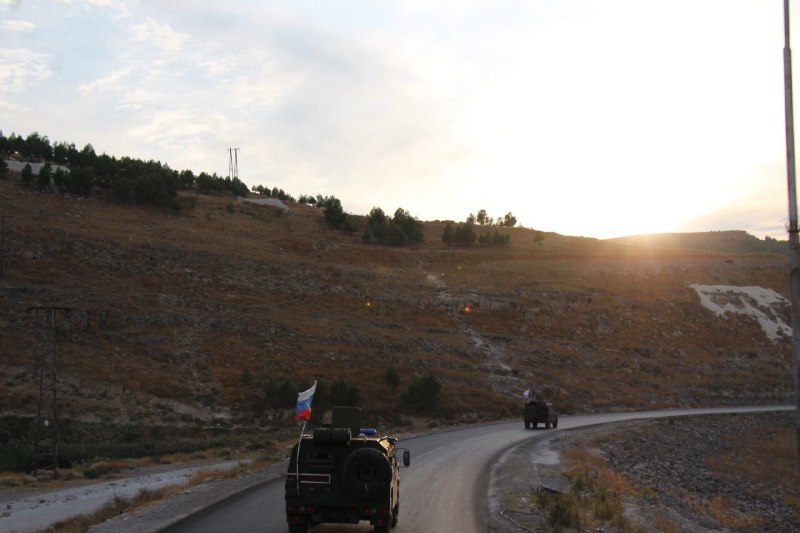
(732, 241)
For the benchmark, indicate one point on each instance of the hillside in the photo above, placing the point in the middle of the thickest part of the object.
(183, 319)
(711, 241)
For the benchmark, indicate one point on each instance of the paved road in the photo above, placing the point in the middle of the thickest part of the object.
(445, 489)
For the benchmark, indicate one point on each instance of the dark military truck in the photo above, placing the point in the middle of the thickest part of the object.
(537, 411)
(344, 474)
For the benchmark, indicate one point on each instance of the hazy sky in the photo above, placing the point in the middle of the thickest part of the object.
(599, 118)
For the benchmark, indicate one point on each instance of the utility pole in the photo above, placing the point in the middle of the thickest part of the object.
(46, 435)
(794, 239)
(2, 241)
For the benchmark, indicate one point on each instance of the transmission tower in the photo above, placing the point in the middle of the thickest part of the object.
(46, 436)
(233, 163)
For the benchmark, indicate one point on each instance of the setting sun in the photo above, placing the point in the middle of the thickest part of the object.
(581, 118)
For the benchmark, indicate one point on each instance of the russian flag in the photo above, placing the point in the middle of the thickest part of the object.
(303, 407)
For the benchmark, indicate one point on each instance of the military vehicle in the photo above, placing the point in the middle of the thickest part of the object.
(341, 473)
(539, 410)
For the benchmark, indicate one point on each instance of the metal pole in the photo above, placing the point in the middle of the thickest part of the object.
(794, 241)
(2, 242)
(297, 459)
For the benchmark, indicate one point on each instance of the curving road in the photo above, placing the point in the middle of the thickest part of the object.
(444, 489)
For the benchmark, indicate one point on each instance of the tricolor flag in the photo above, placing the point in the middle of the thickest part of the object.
(303, 407)
(526, 394)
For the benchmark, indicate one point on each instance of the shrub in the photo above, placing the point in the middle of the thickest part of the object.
(335, 216)
(45, 173)
(344, 393)
(27, 175)
(10, 481)
(100, 469)
(423, 395)
(280, 394)
(398, 230)
(447, 235)
(391, 377)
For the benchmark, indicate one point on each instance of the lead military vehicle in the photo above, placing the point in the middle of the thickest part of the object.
(538, 410)
(344, 474)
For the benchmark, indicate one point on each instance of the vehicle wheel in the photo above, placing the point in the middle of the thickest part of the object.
(367, 473)
(527, 425)
(555, 423)
(381, 529)
(547, 424)
(395, 515)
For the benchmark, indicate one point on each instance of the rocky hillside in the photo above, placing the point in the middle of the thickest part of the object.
(183, 318)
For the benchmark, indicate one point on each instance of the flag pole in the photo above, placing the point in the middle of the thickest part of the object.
(297, 459)
(304, 400)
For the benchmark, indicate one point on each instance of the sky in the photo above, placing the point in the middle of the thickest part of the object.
(582, 117)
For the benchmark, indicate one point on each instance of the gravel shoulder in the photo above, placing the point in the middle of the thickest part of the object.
(704, 474)
(31, 509)
(165, 513)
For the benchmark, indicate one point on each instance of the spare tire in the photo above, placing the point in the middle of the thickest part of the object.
(367, 473)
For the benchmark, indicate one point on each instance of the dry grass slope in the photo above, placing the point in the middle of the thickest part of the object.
(169, 311)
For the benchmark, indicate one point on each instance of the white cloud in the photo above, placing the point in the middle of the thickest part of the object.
(8, 107)
(160, 35)
(109, 82)
(173, 127)
(21, 68)
(10, 5)
(119, 8)
(18, 25)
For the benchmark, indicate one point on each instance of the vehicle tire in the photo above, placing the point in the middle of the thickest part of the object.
(555, 423)
(547, 424)
(381, 529)
(367, 473)
(527, 425)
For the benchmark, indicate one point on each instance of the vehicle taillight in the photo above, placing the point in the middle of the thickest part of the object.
(374, 511)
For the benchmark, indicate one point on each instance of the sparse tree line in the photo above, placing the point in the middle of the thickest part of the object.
(151, 182)
(464, 234)
(125, 179)
(277, 194)
(402, 228)
(422, 395)
(482, 219)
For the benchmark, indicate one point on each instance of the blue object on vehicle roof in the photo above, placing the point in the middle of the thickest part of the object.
(368, 431)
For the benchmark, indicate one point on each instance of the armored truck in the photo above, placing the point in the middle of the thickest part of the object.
(341, 473)
(537, 411)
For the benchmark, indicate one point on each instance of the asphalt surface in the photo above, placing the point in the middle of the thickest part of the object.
(446, 488)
